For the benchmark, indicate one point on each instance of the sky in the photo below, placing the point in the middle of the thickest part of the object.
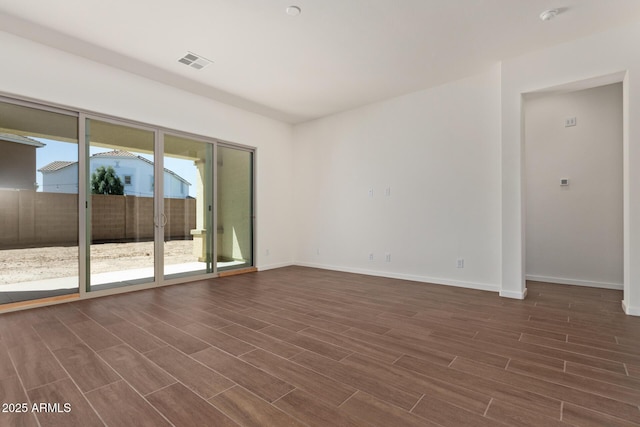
(64, 151)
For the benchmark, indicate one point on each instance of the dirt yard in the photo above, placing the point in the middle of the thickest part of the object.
(26, 265)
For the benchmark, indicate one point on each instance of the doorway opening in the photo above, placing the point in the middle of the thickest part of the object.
(573, 190)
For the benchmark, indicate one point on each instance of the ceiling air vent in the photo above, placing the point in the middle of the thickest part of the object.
(194, 61)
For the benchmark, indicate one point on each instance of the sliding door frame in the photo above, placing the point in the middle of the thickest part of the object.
(34, 104)
(159, 217)
(214, 250)
(87, 211)
(84, 201)
(83, 206)
(254, 154)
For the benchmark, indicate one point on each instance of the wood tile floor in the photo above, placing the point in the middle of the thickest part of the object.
(300, 346)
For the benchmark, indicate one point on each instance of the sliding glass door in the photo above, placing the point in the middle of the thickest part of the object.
(122, 220)
(151, 215)
(234, 200)
(187, 206)
(124, 205)
(38, 209)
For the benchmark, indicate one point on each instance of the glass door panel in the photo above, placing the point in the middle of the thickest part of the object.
(234, 244)
(188, 197)
(38, 209)
(121, 187)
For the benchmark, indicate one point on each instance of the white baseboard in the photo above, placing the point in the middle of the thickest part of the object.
(274, 266)
(514, 294)
(575, 282)
(414, 278)
(631, 311)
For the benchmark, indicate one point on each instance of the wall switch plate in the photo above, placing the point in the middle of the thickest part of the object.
(371, 256)
(371, 192)
(387, 191)
(460, 263)
(571, 121)
(267, 252)
(387, 257)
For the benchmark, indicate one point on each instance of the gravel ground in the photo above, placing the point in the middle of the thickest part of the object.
(26, 265)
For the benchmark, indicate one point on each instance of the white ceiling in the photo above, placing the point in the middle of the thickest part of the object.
(336, 55)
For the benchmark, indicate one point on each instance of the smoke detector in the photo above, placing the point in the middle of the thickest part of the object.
(548, 15)
(194, 60)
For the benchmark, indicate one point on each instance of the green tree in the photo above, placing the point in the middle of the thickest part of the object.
(106, 181)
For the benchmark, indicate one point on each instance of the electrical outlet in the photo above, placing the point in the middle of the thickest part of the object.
(317, 251)
(387, 191)
(387, 257)
(460, 263)
(371, 192)
(571, 121)
(267, 252)
(371, 256)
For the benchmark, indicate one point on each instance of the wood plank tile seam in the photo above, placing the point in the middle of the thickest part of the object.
(301, 346)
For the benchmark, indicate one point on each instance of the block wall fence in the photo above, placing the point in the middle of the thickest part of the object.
(29, 218)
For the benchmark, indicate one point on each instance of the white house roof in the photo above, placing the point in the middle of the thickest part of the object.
(55, 166)
(117, 154)
(19, 139)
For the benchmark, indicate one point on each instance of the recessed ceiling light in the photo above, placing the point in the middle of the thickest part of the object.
(293, 10)
(194, 60)
(548, 15)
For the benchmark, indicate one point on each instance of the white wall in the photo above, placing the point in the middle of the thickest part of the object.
(438, 151)
(42, 73)
(574, 233)
(598, 55)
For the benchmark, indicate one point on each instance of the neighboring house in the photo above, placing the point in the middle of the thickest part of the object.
(18, 161)
(60, 177)
(135, 172)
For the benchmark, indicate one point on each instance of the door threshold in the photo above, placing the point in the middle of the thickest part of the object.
(12, 306)
(238, 271)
